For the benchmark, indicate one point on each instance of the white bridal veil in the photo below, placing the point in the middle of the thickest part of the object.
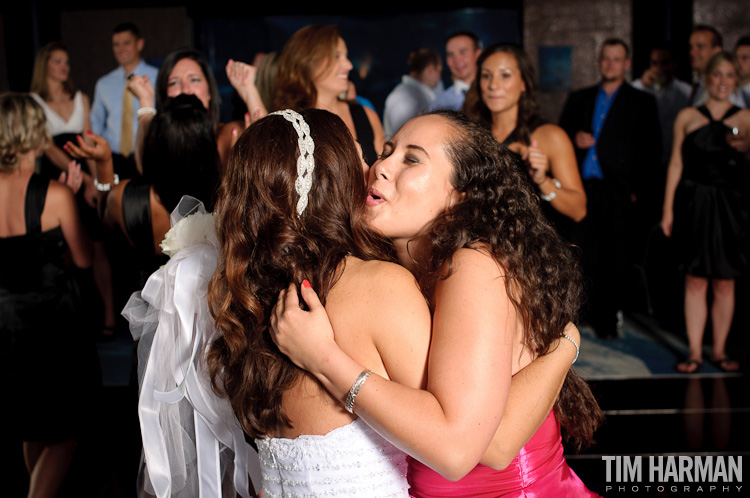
(187, 430)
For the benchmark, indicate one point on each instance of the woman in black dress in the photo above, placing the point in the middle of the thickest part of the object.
(706, 210)
(48, 362)
(503, 97)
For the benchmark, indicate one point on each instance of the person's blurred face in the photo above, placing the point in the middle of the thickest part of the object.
(721, 81)
(333, 76)
(743, 59)
(613, 63)
(501, 82)
(127, 48)
(432, 74)
(58, 67)
(461, 57)
(701, 49)
(188, 78)
(661, 61)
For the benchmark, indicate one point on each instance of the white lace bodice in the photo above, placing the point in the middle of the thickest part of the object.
(352, 460)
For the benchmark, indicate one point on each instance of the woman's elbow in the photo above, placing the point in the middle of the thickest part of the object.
(457, 465)
(498, 461)
(579, 214)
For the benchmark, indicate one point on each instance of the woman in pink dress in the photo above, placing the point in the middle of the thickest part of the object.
(501, 285)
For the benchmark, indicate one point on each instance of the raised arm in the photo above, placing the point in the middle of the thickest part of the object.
(242, 78)
(143, 90)
(469, 370)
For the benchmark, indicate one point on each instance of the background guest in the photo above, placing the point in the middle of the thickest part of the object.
(742, 54)
(113, 113)
(504, 98)
(313, 70)
(416, 92)
(48, 360)
(616, 136)
(67, 113)
(183, 72)
(179, 158)
(461, 52)
(705, 42)
(706, 211)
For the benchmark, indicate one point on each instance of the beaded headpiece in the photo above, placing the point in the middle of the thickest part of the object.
(305, 161)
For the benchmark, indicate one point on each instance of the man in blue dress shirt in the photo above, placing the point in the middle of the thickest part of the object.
(107, 117)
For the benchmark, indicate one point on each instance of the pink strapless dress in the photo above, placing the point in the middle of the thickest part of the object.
(539, 470)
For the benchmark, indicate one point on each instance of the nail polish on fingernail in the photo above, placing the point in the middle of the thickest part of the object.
(305, 283)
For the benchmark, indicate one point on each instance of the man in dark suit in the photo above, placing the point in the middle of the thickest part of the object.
(617, 138)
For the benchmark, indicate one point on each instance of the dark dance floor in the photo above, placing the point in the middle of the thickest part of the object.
(650, 411)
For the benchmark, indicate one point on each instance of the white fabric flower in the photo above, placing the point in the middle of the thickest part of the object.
(198, 228)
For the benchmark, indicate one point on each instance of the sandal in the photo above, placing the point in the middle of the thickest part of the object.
(689, 366)
(726, 365)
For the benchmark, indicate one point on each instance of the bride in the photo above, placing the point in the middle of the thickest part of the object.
(301, 219)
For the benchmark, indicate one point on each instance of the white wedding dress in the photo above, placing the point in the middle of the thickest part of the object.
(192, 442)
(352, 460)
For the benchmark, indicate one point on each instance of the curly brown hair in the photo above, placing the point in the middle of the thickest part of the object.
(529, 117)
(500, 211)
(299, 62)
(265, 245)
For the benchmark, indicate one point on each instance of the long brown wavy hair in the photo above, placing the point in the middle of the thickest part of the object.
(299, 63)
(529, 117)
(500, 211)
(265, 245)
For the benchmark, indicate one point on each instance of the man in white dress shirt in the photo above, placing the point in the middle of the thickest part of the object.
(462, 49)
(416, 92)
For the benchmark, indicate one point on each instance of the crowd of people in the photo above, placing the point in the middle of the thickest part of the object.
(484, 231)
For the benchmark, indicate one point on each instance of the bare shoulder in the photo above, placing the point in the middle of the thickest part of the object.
(549, 131)
(387, 281)
(551, 137)
(59, 197)
(375, 291)
(371, 114)
(477, 260)
(687, 114)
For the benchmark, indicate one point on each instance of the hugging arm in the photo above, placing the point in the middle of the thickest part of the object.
(533, 392)
(469, 369)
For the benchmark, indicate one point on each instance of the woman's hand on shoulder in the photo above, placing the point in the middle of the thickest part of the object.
(305, 337)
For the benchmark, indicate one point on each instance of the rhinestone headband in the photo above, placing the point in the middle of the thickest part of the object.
(305, 161)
